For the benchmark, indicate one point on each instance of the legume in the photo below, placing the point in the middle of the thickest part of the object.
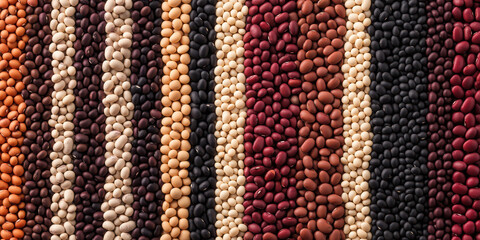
(270, 135)
(231, 114)
(119, 108)
(62, 175)
(89, 121)
(440, 53)
(319, 207)
(202, 139)
(400, 103)
(38, 139)
(145, 80)
(356, 112)
(175, 128)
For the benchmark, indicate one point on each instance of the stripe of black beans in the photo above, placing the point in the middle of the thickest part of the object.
(38, 140)
(400, 104)
(146, 95)
(270, 132)
(89, 122)
(440, 55)
(202, 214)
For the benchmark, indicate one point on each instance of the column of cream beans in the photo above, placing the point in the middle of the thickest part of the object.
(63, 37)
(231, 115)
(357, 111)
(117, 210)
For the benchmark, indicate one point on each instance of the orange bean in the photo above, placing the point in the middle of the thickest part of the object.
(6, 234)
(20, 224)
(18, 171)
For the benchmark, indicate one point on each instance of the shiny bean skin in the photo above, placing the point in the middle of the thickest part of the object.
(38, 139)
(320, 211)
(270, 135)
(145, 80)
(399, 91)
(89, 121)
(440, 56)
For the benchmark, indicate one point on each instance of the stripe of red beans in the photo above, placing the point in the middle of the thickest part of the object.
(440, 56)
(38, 140)
(270, 134)
(89, 122)
(466, 113)
(319, 172)
(145, 80)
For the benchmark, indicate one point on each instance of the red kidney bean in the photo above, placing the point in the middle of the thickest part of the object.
(38, 139)
(270, 132)
(440, 58)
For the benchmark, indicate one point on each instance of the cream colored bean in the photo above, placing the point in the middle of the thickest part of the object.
(356, 113)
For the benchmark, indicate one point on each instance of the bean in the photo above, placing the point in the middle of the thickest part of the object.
(439, 119)
(63, 102)
(270, 135)
(202, 139)
(356, 129)
(119, 110)
(175, 130)
(38, 139)
(231, 114)
(89, 121)
(145, 80)
(319, 209)
(400, 104)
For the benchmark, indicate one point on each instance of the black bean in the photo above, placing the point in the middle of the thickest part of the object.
(146, 95)
(38, 139)
(89, 121)
(400, 105)
(202, 169)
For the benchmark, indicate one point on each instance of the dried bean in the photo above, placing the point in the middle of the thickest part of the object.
(231, 114)
(145, 80)
(400, 103)
(89, 121)
(38, 139)
(117, 207)
(356, 129)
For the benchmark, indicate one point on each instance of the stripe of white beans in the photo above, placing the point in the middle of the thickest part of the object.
(356, 113)
(63, 32)
(231, 115)
(119, 111)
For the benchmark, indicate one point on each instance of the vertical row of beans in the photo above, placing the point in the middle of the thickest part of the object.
(400, 104)
(230, 118)
(270, 135)
(63, 110)
(464, 84)
(89, 160)
(440, 56)
(175, 130)
(145, 80)
(117, 206)
(202, 215)
(356, 112)
(38, 139)
(319, 171)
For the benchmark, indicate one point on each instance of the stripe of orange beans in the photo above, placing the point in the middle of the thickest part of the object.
(12, 117)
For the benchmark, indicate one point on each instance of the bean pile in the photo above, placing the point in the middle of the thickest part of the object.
(400, 104)
(270, 135)
(145, 80)
(440, 56)
(117, 208)
(38, 139)
(202, 164)
(175, 130)
(356, 112)
(89, 160)
(319, 172)
(465, 117)
(63, 110)
(231, 114)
